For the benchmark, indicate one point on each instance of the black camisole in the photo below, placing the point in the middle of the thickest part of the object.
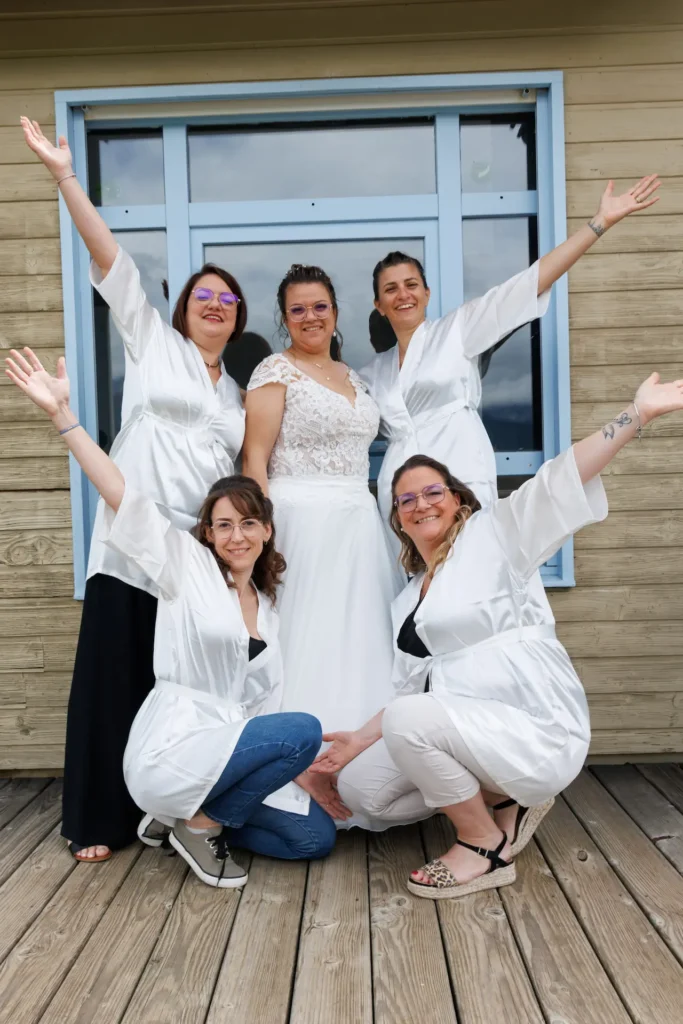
(256, 647)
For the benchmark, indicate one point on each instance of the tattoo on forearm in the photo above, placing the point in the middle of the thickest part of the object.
(622, 420)
(597, 228)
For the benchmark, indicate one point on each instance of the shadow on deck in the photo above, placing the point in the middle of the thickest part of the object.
(591, 933)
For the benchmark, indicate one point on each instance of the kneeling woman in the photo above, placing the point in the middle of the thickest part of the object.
(490, 712)
(196, 753)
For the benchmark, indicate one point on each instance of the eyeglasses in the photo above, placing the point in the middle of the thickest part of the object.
(248, 527)
(225, 298)
(298, 313)
(432, 494)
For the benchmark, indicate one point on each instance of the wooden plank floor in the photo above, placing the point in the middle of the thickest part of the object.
(591, 933)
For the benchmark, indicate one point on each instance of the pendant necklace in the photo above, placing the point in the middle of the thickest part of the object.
(212, 366)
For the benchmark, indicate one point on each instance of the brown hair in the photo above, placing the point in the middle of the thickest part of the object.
(395, 259)
(411, 559)
(179, 319)
(301, 273)
(249, 500)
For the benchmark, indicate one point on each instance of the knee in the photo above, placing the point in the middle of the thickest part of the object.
(400, 721)
(306, 729)
(319, 836)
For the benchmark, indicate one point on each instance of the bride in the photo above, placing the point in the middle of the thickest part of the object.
(310, 422)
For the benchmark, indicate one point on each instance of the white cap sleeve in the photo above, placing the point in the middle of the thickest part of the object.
(536, 520)
(137, 321)
(488, 319)
(275, 369)
(142, 533)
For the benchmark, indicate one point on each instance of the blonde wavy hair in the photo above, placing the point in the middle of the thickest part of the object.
(411, 559)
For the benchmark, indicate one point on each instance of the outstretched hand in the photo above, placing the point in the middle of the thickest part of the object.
(613, 208)
(655, 399)
(57, 159)
(28, 373)
(344, 746)
(323, 789)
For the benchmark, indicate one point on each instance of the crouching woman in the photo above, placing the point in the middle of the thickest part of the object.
(208, 753)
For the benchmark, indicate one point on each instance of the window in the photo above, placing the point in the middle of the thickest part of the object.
(475, 193)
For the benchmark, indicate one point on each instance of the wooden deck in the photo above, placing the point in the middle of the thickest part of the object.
(592, 932)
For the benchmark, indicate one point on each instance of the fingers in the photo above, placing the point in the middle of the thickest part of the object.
(61, 368)
(29, 364)
(19, 366)
(15, 378)
(650, 202)
(33, 359)
(643, 184)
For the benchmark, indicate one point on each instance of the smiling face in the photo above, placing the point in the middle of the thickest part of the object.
(312, 335)
(426, 525)
(211, 324)
(238, 540)
(402, 297)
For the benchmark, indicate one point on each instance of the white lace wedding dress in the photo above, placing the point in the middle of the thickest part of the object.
(335, 622)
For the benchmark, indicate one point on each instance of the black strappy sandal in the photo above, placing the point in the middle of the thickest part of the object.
(527, 821)
(445, 886)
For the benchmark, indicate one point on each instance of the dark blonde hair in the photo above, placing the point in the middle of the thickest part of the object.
(411, 559)
(250, 501)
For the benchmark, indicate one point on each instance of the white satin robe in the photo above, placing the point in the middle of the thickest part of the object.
(496, 666)
(179, 434)
(429, 406)
(206, 688)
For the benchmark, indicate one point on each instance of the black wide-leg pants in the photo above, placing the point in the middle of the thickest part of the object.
(113, 674)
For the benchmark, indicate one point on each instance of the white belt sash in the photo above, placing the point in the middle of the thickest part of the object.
(518, 635)
(235, 711)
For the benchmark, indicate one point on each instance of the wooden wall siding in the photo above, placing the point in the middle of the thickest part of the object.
(623, 622)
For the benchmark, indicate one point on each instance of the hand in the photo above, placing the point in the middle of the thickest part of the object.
(323, 789)
(57, 159)
(654, 399)
(344, 746)
(613, 208)
(47, 392)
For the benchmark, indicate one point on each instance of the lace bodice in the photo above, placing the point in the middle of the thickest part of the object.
(321, 432)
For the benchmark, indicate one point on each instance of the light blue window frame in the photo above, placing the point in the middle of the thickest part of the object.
(437, 217)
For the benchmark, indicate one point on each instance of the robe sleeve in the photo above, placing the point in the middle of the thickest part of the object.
(136, 319)
(140, 532)
(485, 321)
(536, 520)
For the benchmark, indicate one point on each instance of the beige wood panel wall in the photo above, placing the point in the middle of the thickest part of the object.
(624, 116)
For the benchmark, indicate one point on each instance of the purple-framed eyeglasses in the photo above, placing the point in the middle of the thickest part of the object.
(225, 298)
(432, 494)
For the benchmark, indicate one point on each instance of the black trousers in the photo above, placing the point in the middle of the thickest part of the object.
(112, 676)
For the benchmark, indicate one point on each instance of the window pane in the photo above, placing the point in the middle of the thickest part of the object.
(148, 249)
(498, 153)
(259, 268)
(494, 250)
(309, 162)
(125, 168)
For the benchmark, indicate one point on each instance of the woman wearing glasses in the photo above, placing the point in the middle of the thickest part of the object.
(310, 423)
(490, 714)
(182, 427)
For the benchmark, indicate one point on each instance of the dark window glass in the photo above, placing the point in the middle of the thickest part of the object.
(498, 153)
(126, 168)
(496, 249)
(148, 249)
(312, 161)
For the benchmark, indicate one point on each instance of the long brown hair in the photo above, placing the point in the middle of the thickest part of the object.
(179, 319)
(250, 501)
(411, 559)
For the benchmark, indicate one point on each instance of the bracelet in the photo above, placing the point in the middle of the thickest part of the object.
(60, 180)
(67, 429)
(639, 431)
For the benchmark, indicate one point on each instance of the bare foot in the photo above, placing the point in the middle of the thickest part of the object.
(466, 864)
(92, 852)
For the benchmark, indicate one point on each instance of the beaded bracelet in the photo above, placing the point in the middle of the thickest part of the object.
(60, 180)
(67, 429)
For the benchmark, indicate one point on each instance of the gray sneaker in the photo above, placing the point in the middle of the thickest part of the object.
(153, 832)
(208, 855)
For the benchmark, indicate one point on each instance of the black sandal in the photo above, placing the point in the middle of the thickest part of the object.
(444, 885)
(527, 821)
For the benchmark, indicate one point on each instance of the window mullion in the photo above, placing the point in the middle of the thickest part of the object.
(176, 183)
(448, 179)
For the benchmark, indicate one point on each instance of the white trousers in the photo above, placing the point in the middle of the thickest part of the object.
(421, 764)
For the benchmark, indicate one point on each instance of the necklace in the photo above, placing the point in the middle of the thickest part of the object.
(212, 366)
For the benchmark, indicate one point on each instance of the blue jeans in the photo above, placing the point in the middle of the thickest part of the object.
(272, 750)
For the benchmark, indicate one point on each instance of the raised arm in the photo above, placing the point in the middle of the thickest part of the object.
(652, 399)
(611, 210)
(99, 240)
(52, 395)
(265, 408)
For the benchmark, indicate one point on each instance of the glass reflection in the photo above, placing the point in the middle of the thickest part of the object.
(125, 168)
(498, 153)
(307, 162)
(148, 249)
(260, 267)
(494, 250)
